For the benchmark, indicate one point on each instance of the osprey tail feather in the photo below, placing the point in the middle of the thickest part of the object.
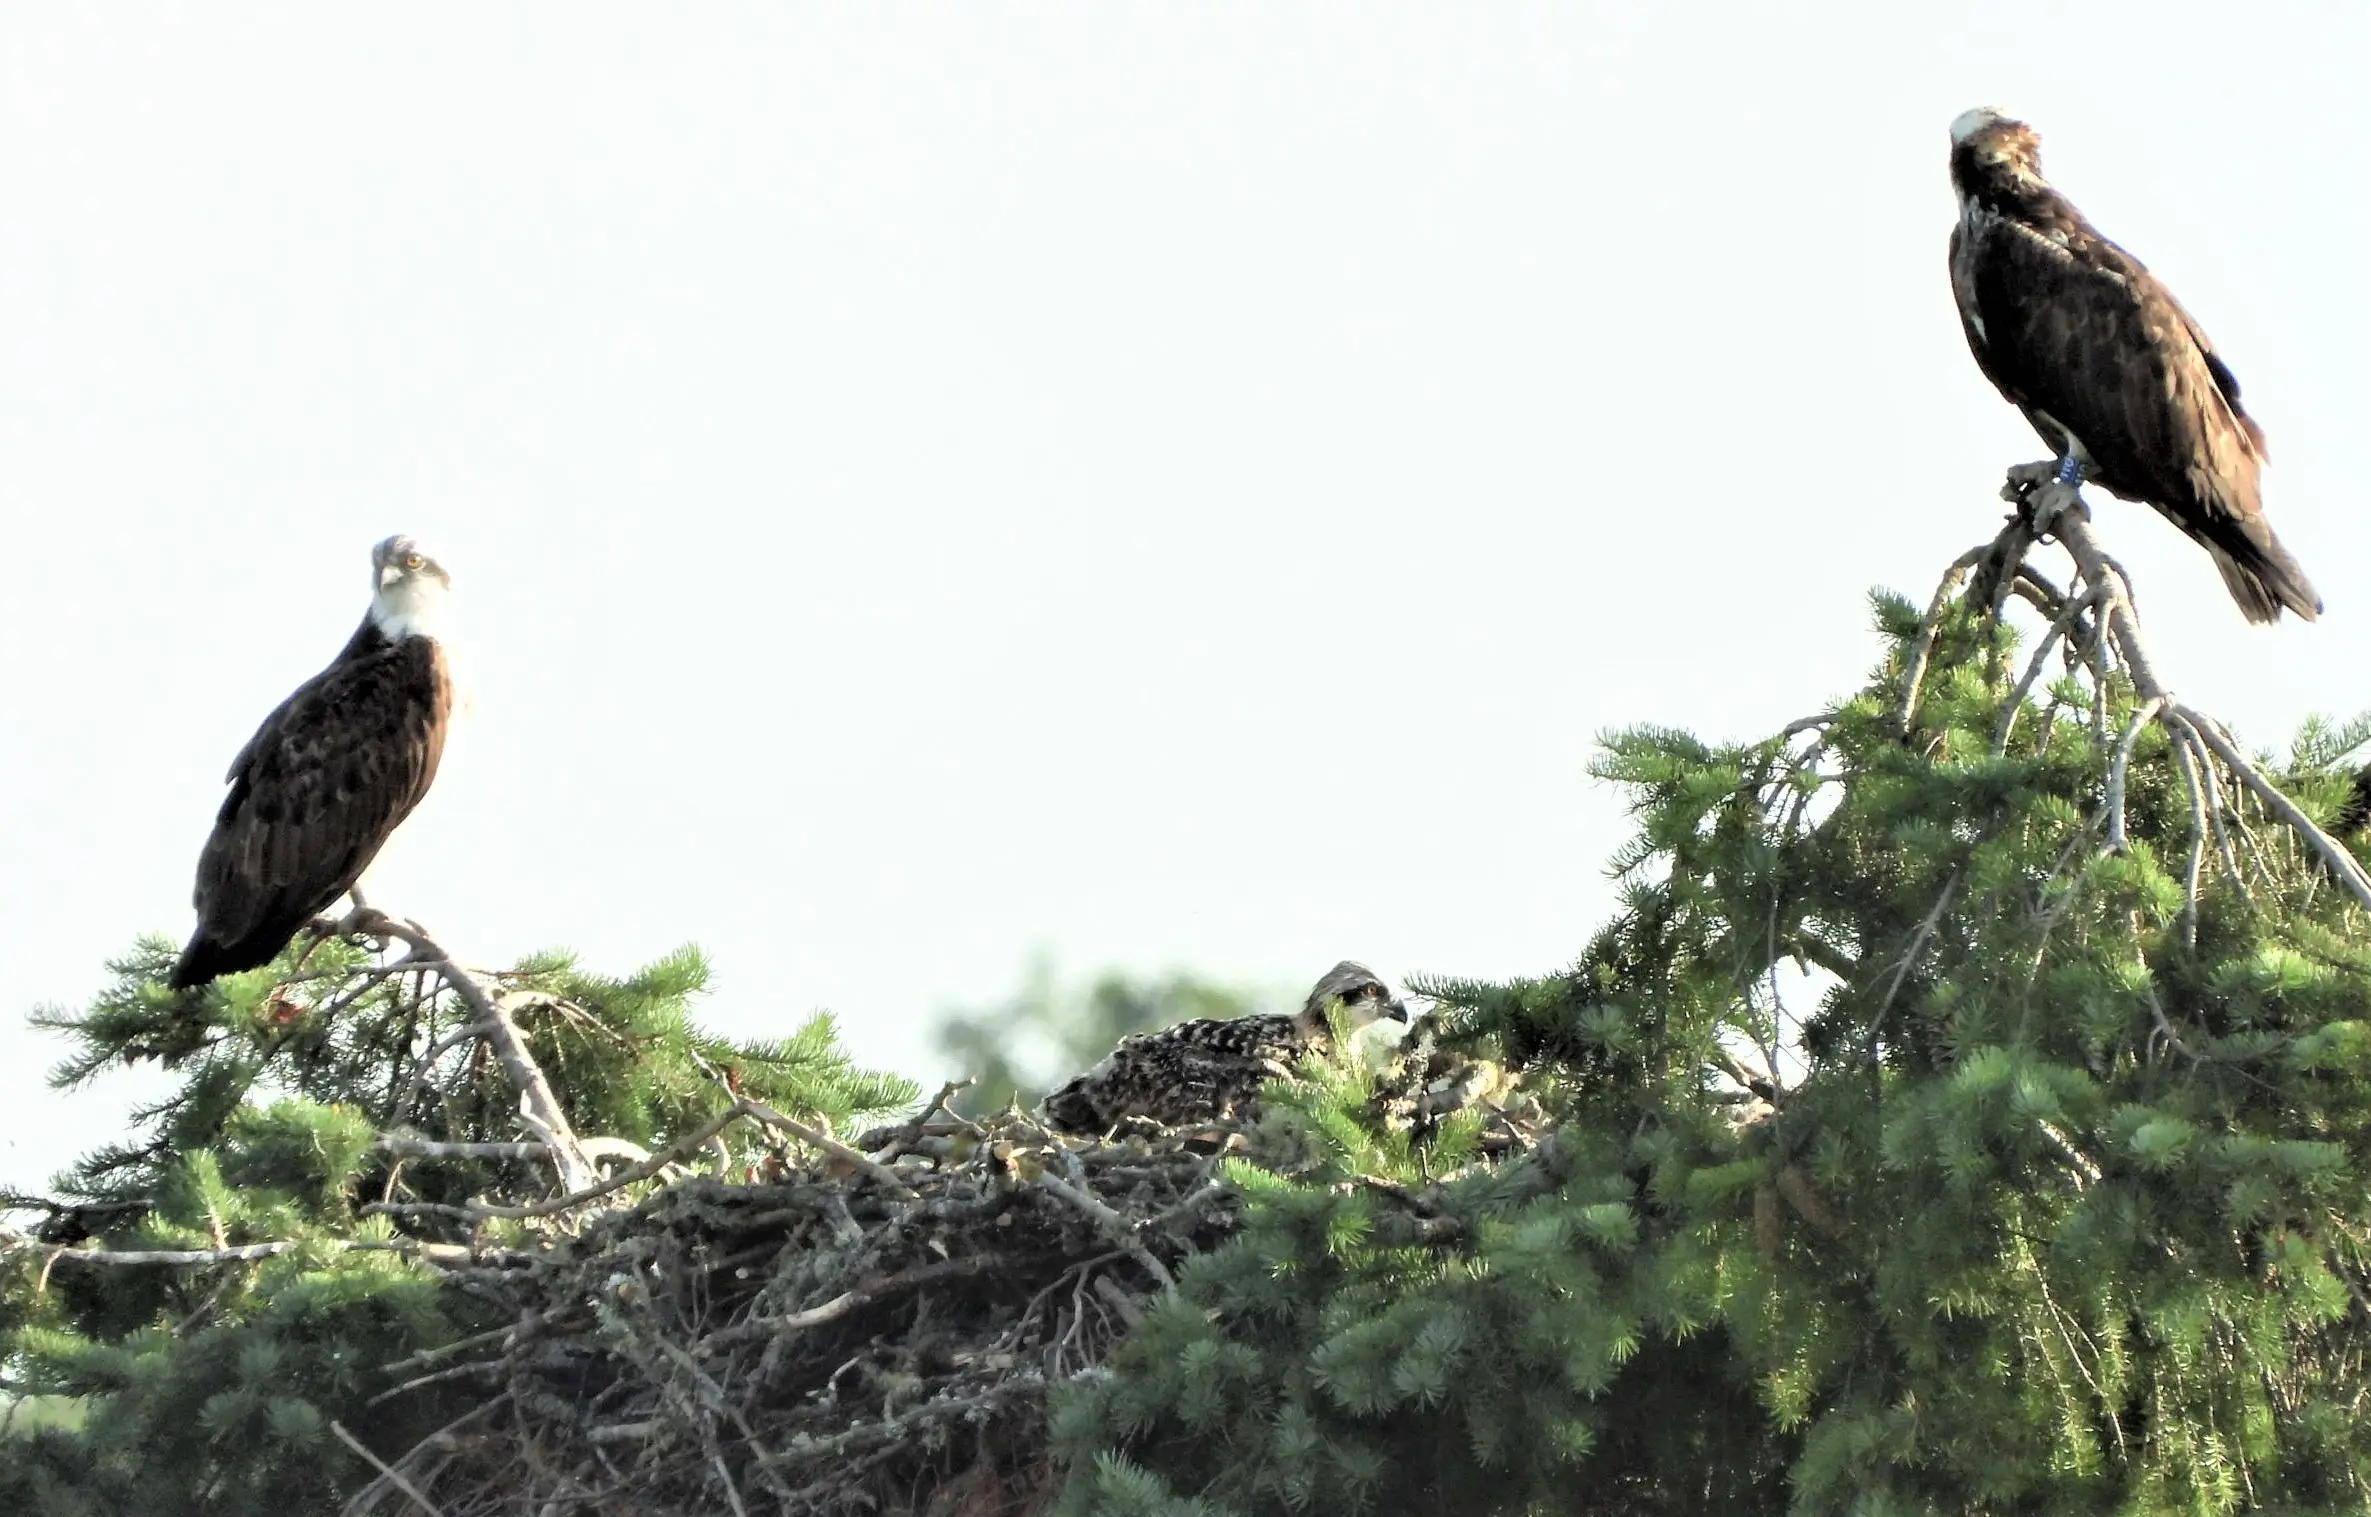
(204, 959)
(2261, 575)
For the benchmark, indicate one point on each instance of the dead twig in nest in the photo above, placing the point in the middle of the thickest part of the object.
(822, 1341)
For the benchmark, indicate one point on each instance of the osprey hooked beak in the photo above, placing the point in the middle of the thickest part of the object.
(1364, 995)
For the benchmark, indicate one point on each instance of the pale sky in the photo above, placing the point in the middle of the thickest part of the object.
(1169, 486)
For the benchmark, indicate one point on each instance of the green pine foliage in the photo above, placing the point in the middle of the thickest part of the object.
(1913, 1150)
(1913, 1140)
(212, 1389)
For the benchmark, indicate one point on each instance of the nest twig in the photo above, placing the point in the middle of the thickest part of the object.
(882, 1323)
(832, 1341)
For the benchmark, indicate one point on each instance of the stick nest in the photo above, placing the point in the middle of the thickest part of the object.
(875, 1337)
(816, 1342)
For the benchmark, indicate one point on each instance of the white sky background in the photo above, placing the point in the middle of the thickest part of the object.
(1174, 487)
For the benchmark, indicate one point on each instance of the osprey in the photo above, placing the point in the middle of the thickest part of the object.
(1213, 1068)
(328, 777)
(2111, 371)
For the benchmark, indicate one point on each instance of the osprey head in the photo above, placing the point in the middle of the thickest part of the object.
(1993, 142)
(408, 589)
(1365, 998)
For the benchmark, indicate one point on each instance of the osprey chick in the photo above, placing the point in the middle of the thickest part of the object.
(2106, 365)
(1213, 1068)
(328, 776)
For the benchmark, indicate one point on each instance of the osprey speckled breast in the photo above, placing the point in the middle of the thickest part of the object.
(1211, 1069)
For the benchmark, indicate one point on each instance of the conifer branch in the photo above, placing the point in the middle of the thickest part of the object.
(2098, 617)
(2070, 523)
(540, 1111)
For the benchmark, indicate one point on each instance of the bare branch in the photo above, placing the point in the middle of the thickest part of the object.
(484, 1211)
(424, 1148)
(386, 1471)
(2200, 744)
(539, 1109)
(1115, 1226)
(829, 1145)
(12, 1241)
(1915, 675)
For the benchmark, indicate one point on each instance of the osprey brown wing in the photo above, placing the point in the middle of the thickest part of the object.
(2106, 364)
(314, 795)
(2103, 349)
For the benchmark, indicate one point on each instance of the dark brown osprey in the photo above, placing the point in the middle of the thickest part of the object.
(2120, 382)
(1212, 1068)
(328, 776)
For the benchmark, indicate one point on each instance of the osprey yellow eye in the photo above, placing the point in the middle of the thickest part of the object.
(411, 560)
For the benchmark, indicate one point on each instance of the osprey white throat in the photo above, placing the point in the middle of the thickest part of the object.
(411, 608)
(412, 592)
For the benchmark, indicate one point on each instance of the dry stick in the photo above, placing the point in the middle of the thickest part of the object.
(1909, 960)
(2343, 864)
(673, 1153)
(2062, 626)
(12, 1241)
(437, 1050)
(761, 1326)
(428, 1356)
(425, 1148)
(1113, 1224)
(2121, 769)
(435, 1377)
(482, 1211)
(386, 1471)
(831, 1145)
(2215, 807)
(367, 1499)
(2037, 590)
(2197, 864)
(539, 1109)
(1915, 675)
(906, 1134)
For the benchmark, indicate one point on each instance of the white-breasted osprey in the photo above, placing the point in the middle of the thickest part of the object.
(1213, 1068)
(328, 777)
(2111, 371)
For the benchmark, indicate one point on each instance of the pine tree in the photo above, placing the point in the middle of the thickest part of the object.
(307, 1184)
(1969, 1110)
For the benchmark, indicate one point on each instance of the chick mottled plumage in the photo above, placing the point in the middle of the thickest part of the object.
(1213, 1069)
